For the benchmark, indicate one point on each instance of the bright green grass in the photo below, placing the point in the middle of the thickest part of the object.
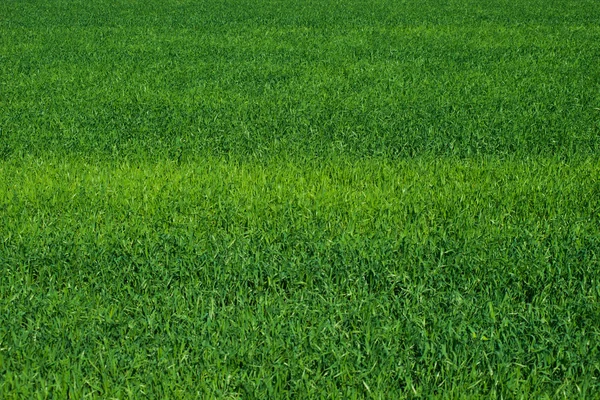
(270, 199)
(331, 278)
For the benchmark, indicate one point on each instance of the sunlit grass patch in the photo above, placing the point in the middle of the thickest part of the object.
(306, 277)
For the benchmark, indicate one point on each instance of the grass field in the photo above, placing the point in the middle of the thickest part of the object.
(299, 199)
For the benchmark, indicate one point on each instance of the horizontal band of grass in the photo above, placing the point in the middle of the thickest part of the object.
(340, 278)
(186, 78)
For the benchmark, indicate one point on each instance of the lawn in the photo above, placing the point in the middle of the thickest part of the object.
(299, 199)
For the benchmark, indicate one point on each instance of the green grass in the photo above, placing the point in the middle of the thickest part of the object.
(379, 278)
(187, 78)
(285, 199)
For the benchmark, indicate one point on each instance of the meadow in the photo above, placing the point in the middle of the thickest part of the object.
(299, 199)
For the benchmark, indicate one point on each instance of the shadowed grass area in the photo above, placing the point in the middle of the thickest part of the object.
(341, 278)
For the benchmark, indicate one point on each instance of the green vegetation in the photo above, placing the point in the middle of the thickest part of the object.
(125, 78)
(299, 199)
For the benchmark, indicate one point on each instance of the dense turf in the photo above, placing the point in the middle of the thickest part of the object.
(387, 78)
(264, 199)
(427, 277)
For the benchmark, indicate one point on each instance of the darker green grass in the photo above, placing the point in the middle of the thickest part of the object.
(184, 79)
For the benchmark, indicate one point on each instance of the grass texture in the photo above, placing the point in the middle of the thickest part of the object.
(387, 78)
(376, 279)
(299, 199)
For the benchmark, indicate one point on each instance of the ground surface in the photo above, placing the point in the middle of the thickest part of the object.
(267, 199)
